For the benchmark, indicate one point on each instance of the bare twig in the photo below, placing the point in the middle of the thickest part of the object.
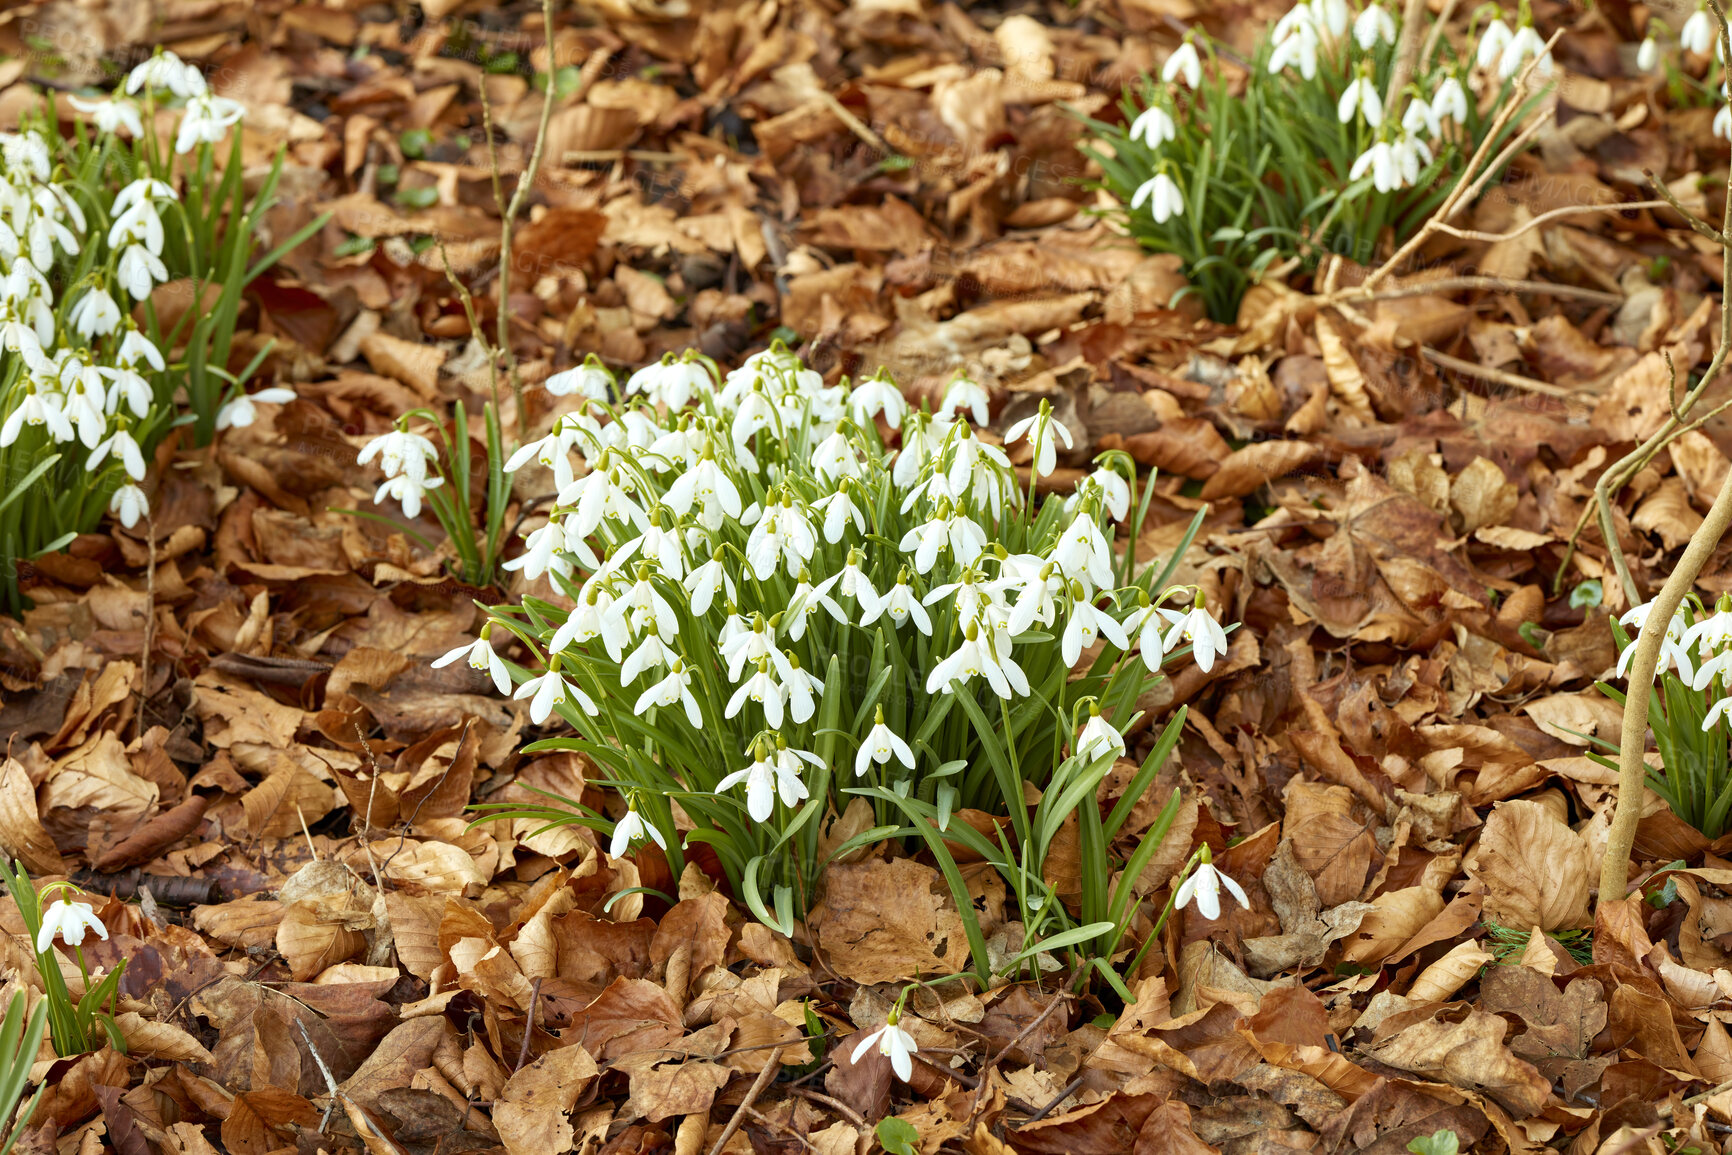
(330, 1082)
(1406, 56)
(771, 1066)
(1554, 214)
(149, 625)
(1059, 998)
(1496, 285)
(1486, 373)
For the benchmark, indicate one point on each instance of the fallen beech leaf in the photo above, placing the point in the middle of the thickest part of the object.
(1481, 495)
(21, 833)
(1468, 1054)
(1395, 917)
(1346, 380)
(1667, 512)
(149, 1040)
(888, 921)
(1256, 464)
(532, 1112)
(1535, 868)
(1449, 973)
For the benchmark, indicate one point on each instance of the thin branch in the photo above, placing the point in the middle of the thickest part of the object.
(1695, 222)
(1494, 284)
(1486, 373)
(1406, 56)
(771, 1066)
(1536, 222)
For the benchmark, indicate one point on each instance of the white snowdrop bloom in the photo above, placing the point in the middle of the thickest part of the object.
(855, 584)
(1084, 623)
(1420, 117)
(68, 921)
(1450, 100)
(1381, 161)
(140, 190)
(400, 451)
(1163, 196)
(925, 541)
(1293, 22)
(1648, 54)
(703, 583)
(788, 768)
(126, 385)
(808, 599)
(921, 442)
(588, 380)
(672, 383)
(1723, 122)
(971, 596)
(95, 314)
(1208, 640)
(1332, 15)
(781, 535)
(136, 347)
(880, 745)
(206, 120)
(552, 451)
(803, 689)
(902, 606)
(549, 690)
(632, 828)
(652, 654)
(1299, 48)
(875, 396)
(166, 70)
(239, 413)
(1492, 43)
(661, 545)
(1083, 552)
(138, 270)
(480, 656)
(1043, 432)
(1716, 713)
(756, 413)
(644, 606)
(544, 553)
(762, 688)
(979, 655)
(37, 408)
(111, 116)
(1115, 491)
(1360, 96)
(1037, 600)
(1154, 127)
(592, 619)
(676, 687)
(599, 496)
(129, 504)
(709, 487)
(139, 224)
(1411, 154)
(124, 448)
(963, 394)
(1150, 627)
(1373, 24)
(745, 646)
(1525, 43)
(1699, 33)
(1099, 738)
(838, 509)
(1673, 653)
(1205, 886)
(760, 780)
(1712, 638)
(26, 152)
(834, 458)
(892, 1042)
(1185, 65)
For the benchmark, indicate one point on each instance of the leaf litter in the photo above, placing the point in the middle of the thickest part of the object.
(225, 721)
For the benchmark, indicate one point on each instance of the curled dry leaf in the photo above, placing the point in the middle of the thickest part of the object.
(1481, 495)
(1469, 1054)
(533, 1110)
(1395, 917)
(1256, 464)
(1535, 869)
(1449, 973)
(1346, 381)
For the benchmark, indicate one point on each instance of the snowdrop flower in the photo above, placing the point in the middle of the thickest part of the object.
(1041, 429)
(1300, 48)
(671, 383)
(1115, 491)
(548, 691)
(1154, 127)
(891, 1040)
(480, 656)
(1083, 552)
(1165, 199)
(400, 451)
(788, 783)
(855, 584)
(1205, 634)
(138, 270)
(643, 605)
(1084, 623)
(705, 581)
(1673, 652)
(1723, 122)
(632, 828)
(136, 347)
(1410, 153)
(808, 599)
(126, 385)
(1525, 43)
(602, 495)
(1450, 100)
(587, 380)
(770, 775)
(876, 396)
(651, 654)
(239, 413)
(762, 688)
(1037, 600)
(784, 534)
(1360, 96)
(754, 414)
(1099, 738)
(1648, 54)
(129, 504)
(1492, 43)
(68, 921)
(709, 487)
(166, 70)
(962, 394)
(1699, 33)
(37, 408)
(921, 442)
(838, 510)
(1331, 15)
(1184, 64)
(880, 745)
(835, 458)
(408, 491)
(206, 120)
(124, 448)
(1380, 160)
(27, 152)
(95, 314)
(676, 687)
(1712, 638)
(544, 552)
(111, 115)
(1374, 24)
(1420, 116)
(1205, 886)
(902, 606)
(978, 656)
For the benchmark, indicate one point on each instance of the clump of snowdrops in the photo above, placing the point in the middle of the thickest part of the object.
(91, 223)
(58, 914)
(1309, 152)
(1688, 710)
(788, 596)
(1700, 35)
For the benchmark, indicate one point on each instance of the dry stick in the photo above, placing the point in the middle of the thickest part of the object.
(771, 1065)
(1485, 373)
(525, 181)
(1536, 222)
(1437, 27)
(1496, 285)
(1633, 738)
(979, 1089)
(1406, 56)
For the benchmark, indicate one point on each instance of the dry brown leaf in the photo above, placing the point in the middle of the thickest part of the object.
(1468, 1054)
(888, 921)
(1535, 868)
(1481, 495)
(1246, 469)
(1667, 511)
(1346, 381)
(1395, 917)
(532, 1112)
